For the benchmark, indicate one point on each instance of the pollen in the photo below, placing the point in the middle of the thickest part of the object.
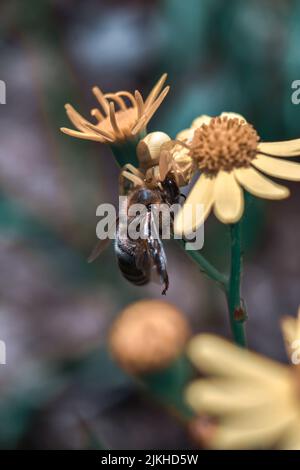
(224, 144)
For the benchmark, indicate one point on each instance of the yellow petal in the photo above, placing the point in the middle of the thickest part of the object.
(229, 198)
(83, 135)
(221, 396)
(233, 116)
(216, 356)
(199, 121)
(156, 90)
(291, 332)
(258, 430)
(259, 185)
(186, 134)
(252, 397)
(189, 218)
(291, 439)
(287, 148)
(277, 167)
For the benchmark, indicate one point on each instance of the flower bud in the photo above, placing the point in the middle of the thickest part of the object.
(147, 336)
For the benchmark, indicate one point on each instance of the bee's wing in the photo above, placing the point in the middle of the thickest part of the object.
(158, 257)
(143, 259)
(150, 256)
(101, 245)
(142, 256)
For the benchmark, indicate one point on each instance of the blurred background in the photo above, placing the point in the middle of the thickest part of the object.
(60, 388)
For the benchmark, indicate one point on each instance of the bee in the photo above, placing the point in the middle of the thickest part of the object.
(139, 259)
(157, 181)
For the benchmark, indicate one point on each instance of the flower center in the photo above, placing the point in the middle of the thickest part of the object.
(224, 144)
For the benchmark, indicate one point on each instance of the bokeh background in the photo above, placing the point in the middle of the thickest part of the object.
(60, 388)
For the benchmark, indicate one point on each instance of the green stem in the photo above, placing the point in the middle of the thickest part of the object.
(236, 311)
(207, 268)
(125, 151)
(231, 287)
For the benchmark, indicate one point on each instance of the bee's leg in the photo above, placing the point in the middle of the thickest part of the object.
(165, 279)
(136, 179)
(133, 170)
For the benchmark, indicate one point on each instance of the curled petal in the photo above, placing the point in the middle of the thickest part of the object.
(97, 130)
(84, 135)
(115, 97)
(79, 121)
(140, 104)
(149, 112)
(127, 94)
(113, 120)
(101, 98)
(259, 185)
(97, 114)
(156, 90)
(156, 104)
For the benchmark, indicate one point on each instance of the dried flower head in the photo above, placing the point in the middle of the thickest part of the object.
(230, 157)
(253, 401)
(117, 125)
(147, 336)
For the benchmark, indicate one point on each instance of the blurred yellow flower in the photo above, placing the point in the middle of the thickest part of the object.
(291, 334)
(230, 157)
(117, 125)
(253, 401)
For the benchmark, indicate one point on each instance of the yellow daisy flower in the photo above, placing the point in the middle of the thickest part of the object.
(230, 157)
(253, 401)
(117, 125)
(291, 333)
